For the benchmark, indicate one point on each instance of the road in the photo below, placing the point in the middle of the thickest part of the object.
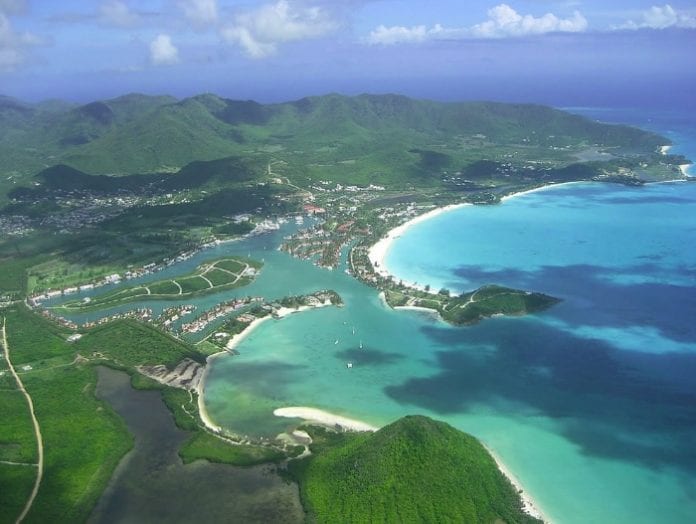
(37, 428)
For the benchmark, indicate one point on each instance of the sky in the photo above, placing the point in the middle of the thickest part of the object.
(565, 52)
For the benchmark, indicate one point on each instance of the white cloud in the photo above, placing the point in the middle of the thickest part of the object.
(200, 12)
(13, 45)
(162, 51)
(117, 13)
(503, 21)
(400, 34)
(259, 32)
(661, 18)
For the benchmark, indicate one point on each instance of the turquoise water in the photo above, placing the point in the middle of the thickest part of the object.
(591, 404)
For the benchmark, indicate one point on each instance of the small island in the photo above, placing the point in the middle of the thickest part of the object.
(470, 307)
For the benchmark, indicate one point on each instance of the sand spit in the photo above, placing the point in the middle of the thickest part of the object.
(324, 418)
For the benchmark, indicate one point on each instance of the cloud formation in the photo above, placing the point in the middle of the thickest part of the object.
(200, 12)
(503, 21)
(260, 31)
(13, 45)
(661, 18)
(115, 12)
(162, 51)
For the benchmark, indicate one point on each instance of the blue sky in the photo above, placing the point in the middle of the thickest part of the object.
(564, 52)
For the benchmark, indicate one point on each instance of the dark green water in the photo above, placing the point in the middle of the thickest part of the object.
(152, 485)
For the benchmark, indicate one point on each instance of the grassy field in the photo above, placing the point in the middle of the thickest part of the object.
(129, 343)
(16, 483)
(83, 439)
(207, 278)
(164, 287)
(204, 446)
(193, 284)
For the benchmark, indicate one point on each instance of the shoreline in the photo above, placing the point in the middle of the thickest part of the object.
(234, 342)
(529, 505)
(378, 251)
(324, 418)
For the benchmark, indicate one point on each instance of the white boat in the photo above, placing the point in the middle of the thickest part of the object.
(336, 342)
(349, 365)
(361, 346)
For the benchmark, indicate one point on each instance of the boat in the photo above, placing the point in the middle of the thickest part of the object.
(349, 365)
(361, 346)
(336, 342)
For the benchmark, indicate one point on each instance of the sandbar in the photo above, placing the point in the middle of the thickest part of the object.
(323, 417)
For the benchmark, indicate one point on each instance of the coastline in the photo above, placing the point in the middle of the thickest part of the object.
(324, 418)
(529, 505)
(378, 252)
(234, 342)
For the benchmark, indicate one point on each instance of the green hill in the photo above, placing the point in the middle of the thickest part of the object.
(138, 133)
(414, 470)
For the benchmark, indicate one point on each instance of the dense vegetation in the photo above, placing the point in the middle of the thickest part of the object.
(377, 137)
(129, 343)
(204, 446)
(492, 300)
(414, 470)
(83, 438)
(470, 307)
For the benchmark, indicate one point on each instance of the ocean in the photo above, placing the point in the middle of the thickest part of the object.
(591, 404)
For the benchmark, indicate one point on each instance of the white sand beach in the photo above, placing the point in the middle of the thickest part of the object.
(529, 505)
(285, 311)
(236, 339)
(233, 342)
(684, 168)
(378, 251)
(323, 417)
(202, 412)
